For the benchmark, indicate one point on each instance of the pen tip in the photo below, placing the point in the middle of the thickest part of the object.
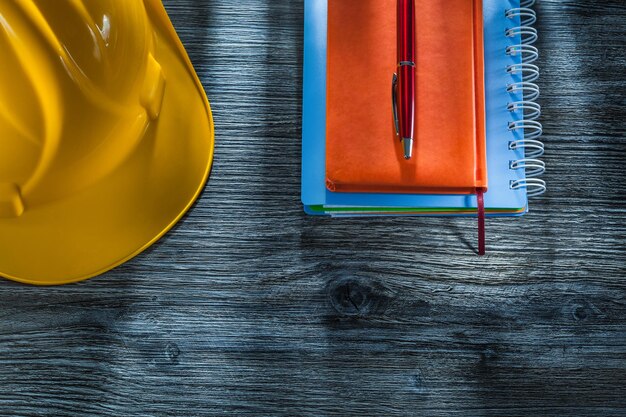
(407, 145)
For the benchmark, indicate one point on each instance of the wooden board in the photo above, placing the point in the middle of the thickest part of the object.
(250, 307)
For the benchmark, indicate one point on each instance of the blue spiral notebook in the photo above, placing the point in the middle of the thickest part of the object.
(507, 164)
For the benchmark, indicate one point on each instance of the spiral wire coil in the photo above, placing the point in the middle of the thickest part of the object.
(526, 111)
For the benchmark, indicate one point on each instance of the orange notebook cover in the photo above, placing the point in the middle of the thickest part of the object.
(363, 153)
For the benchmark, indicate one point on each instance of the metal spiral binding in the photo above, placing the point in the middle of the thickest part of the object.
(526, 111)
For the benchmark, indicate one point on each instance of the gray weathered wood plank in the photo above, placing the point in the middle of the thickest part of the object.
(249, 307)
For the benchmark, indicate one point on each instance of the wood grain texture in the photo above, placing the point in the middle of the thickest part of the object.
(249, 307)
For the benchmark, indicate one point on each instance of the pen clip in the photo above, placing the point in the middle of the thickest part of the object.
(394, 102)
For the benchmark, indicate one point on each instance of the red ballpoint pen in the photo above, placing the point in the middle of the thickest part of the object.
(404, 91)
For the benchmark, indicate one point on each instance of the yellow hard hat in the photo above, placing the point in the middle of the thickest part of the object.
(106, 135)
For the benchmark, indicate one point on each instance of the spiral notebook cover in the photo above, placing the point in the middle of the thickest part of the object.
(500, 195)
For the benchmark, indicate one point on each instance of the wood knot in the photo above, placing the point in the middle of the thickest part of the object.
(417, 382)
(582, 310)
(488, 354)
(354, 297)
(172, 352)
(579, 312)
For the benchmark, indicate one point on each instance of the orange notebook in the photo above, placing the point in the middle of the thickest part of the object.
(363, 153)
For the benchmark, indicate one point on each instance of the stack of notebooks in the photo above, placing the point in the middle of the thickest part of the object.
(476, 116)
